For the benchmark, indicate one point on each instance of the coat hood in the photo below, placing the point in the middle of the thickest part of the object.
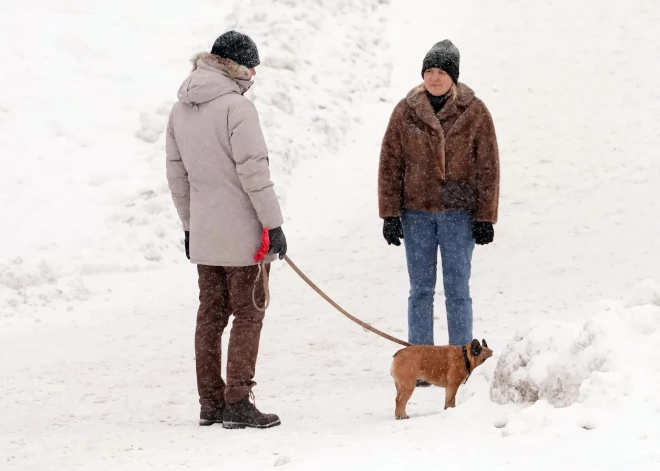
(213, 77)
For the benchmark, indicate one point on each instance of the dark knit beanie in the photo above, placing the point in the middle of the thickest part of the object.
(237, 47)
(445, 56)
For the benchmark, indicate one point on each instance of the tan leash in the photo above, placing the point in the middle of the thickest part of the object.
(364, 325)
(263, 274)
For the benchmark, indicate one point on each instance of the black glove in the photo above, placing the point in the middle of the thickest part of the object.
(277, 241)
(483, 232)
(187, 244)
(392, 230)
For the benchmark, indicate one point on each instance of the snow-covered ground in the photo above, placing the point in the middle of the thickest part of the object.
(97, 302)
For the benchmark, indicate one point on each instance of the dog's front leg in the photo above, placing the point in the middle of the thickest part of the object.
(450, 395)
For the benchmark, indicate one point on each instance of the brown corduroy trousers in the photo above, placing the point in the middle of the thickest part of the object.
(224, 291)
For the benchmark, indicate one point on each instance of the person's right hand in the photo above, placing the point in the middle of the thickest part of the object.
(277, 242)
(392, 230)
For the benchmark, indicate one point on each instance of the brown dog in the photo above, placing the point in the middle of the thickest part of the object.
(447, 367)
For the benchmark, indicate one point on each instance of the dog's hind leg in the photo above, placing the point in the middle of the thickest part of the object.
(404, 390)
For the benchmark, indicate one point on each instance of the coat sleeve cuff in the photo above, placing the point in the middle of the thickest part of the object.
(481, 217)
(390, 213)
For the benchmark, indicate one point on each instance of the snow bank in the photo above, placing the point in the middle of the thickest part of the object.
(83, 187)
(609, 361)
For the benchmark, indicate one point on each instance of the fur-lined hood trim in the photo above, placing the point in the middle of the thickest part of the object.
(233, 69)
(213, 77)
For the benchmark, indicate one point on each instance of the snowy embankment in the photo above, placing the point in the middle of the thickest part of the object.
(600, 373)
(83, 181)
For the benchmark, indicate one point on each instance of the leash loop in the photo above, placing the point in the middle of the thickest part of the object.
(263, 274)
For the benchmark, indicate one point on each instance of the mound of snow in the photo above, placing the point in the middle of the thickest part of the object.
(647, 292)
(607, 361)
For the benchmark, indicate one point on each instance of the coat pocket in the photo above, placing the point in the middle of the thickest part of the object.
(459, 195)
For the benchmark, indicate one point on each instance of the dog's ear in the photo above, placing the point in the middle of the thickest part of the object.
(475, 348)
(483, 343)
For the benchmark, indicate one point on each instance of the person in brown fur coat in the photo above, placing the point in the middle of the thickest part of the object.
(438, 186)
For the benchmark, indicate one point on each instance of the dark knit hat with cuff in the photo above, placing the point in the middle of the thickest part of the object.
(237, 47)
(445, 56)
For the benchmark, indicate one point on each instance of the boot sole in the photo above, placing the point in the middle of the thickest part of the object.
(206, 423)
(242, 425)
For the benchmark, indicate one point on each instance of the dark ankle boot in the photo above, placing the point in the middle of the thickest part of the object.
(210, 417)
(244, 414)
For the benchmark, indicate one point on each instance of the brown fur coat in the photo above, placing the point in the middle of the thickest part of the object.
(440, 162)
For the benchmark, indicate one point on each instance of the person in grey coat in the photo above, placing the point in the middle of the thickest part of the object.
(219, 178)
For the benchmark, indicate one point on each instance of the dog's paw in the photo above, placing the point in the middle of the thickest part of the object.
(402, 417)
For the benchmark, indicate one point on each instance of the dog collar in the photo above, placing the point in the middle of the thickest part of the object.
(467, 363)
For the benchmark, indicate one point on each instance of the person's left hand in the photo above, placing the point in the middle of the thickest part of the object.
(483, 232)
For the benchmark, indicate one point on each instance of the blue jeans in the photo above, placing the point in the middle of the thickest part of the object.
(423, 233)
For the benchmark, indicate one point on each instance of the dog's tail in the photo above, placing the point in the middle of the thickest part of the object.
(394, 361)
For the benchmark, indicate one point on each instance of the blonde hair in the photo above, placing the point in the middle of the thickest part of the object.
(453, 91)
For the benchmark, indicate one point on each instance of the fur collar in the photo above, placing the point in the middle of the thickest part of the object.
(231, 68)
(419, 102)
